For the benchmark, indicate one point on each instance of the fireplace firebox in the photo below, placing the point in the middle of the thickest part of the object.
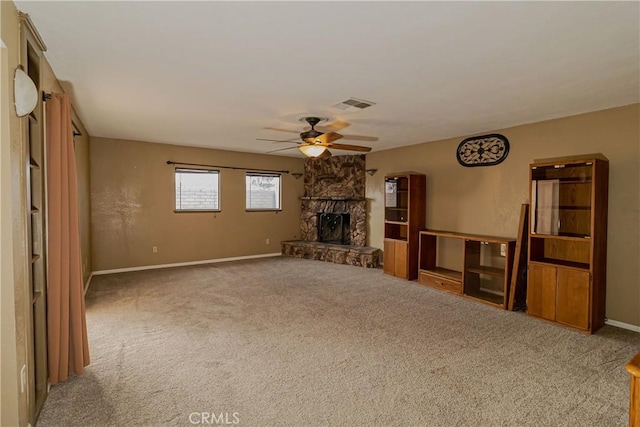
(333, 227)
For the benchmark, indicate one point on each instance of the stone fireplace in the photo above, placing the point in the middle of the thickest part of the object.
(334, 192)
(333, 228)
(354, 209)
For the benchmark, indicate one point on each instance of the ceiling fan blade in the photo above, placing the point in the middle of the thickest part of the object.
(361, 138)
(335, 126)
(278, 140)
(283, 130)
(327, 138)
(280, 149)
(350, 147)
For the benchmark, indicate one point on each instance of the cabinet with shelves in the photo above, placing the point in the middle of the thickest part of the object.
(404, 217)
(567, 241)
(477, 267)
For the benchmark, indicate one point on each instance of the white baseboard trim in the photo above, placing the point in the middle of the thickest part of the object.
(183, 264)
(86, 286)
(622, 325)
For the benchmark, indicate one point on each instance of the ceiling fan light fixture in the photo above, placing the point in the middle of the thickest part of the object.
(313, 150)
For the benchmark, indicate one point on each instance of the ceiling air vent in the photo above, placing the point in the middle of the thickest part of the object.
(353, 104)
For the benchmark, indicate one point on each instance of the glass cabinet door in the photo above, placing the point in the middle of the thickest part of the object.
(561, 200)
(396, 201)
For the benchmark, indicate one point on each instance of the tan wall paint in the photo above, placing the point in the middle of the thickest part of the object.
(15, 322)
(132, 191)
(487, 200)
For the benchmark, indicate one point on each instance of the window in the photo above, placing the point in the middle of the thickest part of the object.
(197, 190)
(263, 191)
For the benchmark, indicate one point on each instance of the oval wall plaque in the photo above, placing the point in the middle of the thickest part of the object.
(484, 150)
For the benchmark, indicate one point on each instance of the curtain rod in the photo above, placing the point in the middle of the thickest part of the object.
(170, 162)
(46, 97)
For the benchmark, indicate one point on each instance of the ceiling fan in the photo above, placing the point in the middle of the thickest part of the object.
(315, 143)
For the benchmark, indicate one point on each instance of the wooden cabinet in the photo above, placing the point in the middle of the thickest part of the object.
(541, 298)
(477, 267)
(404, 217)
(633, 367)
(572, 297)
(395, 257)
(568, 241)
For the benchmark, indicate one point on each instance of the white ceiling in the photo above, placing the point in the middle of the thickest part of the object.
(215, 74)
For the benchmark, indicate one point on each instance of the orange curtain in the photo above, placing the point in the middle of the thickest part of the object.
(68, 347)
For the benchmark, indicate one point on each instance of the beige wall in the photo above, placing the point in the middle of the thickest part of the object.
(132, 191)
(487, 200)
(15, 293)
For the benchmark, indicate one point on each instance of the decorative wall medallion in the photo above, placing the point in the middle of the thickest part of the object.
(484, 150)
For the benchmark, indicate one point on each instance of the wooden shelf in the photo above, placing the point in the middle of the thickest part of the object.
(398, 239)
(560, 263)
(567, 180)
(565, 207)
(466, 236)
(445, 273)
(487, 297)
(560, 237)
(491, 271)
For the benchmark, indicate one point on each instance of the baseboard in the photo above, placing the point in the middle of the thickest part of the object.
(86, 286)
(183, 264)
(622, 325)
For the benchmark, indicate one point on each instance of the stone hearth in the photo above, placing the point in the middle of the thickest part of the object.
(334, 185)
(361, 256)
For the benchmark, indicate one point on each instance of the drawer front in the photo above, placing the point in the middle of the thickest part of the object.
(439, 282)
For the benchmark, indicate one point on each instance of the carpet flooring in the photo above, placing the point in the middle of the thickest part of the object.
(294, 342)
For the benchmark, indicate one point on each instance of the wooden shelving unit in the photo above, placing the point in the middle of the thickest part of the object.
(568, 241)
(477, 267)
(404, 217)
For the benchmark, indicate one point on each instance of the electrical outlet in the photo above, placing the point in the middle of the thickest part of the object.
(267, 241)
(503, 249)
(154, 249)
(23, 378)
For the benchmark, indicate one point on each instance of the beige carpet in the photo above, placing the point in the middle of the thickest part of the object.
(292, 342)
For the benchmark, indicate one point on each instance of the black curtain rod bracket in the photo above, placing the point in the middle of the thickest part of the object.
(171, 162)
(47, 97)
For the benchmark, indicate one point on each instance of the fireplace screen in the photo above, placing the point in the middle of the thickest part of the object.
(333, 228)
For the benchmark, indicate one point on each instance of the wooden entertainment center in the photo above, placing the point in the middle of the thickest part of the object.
(476, 267)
